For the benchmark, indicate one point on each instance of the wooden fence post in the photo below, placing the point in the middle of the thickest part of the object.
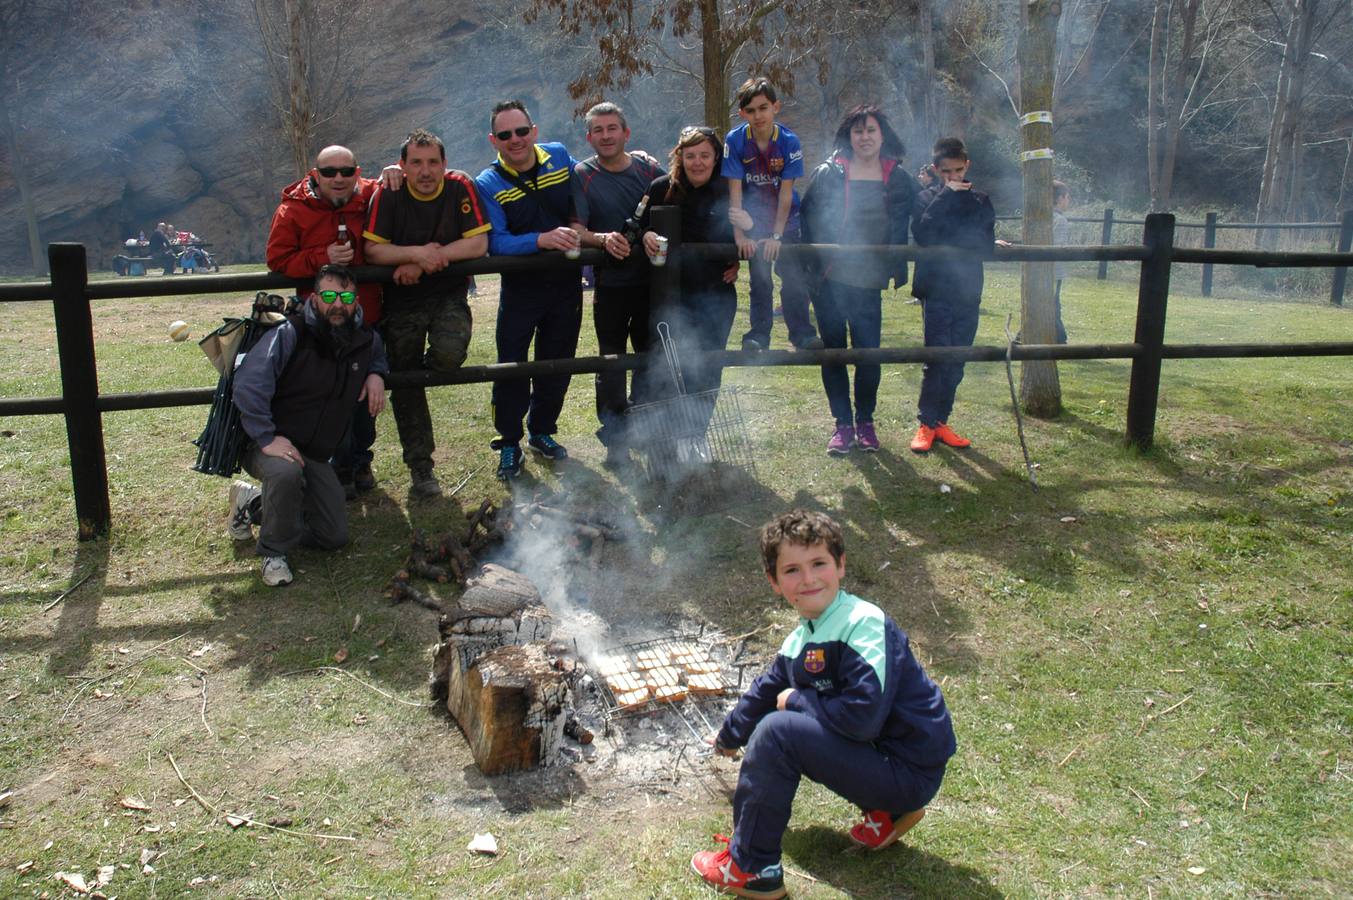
(1152, 296)
(1341, 272)
(1210, 242)
(1106, 237)
(80, 388)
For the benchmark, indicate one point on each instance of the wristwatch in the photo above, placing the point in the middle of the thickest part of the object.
(775, 235)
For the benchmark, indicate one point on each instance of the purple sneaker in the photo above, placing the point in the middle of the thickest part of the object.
(842, 440)
(865, 438)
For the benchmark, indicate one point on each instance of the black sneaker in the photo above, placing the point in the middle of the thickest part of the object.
(752, 345)
(509, 462)
(812, 343)
(546, 446)
(364, 478)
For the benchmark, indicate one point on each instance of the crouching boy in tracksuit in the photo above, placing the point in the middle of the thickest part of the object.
(844, 703)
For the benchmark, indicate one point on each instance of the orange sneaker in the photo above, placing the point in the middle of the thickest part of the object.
(923, 440)
(878, 830)
(720, 871)
(950, 437)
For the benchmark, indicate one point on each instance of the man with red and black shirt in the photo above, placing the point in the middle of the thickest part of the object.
(435, 219)
(319, 222)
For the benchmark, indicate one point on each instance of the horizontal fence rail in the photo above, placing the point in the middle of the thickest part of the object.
(82, 405)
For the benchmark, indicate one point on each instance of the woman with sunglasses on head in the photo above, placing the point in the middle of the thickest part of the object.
(860, 195)
(703, 317)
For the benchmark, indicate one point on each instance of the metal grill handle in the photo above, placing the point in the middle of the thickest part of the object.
(669, 350)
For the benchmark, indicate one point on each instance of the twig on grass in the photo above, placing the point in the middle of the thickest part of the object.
(202, 713)
(1065, 759)
(742, 637)
(1166, 711)
(1139, 796)
(739, 521)
(797, 874)
(68, 591)
(246, 820)
(84, 686)
(464, 481)
(359, 681)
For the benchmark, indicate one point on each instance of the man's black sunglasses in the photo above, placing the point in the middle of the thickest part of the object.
(519, 131)
(348, 297)
(331, 171)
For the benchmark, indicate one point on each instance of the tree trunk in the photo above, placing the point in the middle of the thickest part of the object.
(35, 252)
(1040, 390)
(929, 106)
(1155, 79)
(1278, 183)
(715, 67)
(300, 113)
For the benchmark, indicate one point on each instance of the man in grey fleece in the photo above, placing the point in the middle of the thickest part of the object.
(295, 391)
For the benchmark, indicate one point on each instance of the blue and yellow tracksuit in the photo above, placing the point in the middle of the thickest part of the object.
(542, 305)
(864, 720)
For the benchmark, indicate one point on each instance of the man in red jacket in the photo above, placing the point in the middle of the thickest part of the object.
(319, 222)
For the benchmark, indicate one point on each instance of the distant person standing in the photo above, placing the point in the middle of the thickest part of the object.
(607, 189)
(319, 222)
(434, 219)
(528, 195)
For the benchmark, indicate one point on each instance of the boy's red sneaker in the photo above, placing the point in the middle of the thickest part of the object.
(947, 435)
(878, 830)
(924, 439)
(718, 869)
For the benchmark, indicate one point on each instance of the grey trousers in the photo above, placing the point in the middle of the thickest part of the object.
(301, 504)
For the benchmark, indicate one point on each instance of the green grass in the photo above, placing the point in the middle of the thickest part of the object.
(1147, 659)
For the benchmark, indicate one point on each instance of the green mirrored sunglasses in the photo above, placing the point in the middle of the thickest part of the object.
(348, 297)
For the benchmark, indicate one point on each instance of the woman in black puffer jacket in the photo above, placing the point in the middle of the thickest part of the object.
(861, 195)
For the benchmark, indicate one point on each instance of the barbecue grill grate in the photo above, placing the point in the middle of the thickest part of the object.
(700, 713)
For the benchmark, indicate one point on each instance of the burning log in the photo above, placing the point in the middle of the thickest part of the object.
(512, 705)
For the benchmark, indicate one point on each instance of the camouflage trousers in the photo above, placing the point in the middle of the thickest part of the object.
(431, 332)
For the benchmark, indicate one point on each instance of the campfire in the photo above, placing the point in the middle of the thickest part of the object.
(529, 679)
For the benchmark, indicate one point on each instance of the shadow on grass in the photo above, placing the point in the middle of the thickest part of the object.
(827, 856)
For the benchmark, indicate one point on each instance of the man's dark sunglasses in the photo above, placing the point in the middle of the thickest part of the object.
(331, 171)
(519, 131)
(348, 297)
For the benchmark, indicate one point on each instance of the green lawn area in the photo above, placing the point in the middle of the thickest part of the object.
(1147, 658)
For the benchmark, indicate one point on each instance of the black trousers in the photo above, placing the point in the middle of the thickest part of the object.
(551, 317)
(620, 314)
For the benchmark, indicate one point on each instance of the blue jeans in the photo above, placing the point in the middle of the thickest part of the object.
(841, 307)
(793, 298)
(949, 322)
(789, 745)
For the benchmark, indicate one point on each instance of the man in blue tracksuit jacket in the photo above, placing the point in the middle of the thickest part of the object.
(844, 703)
(527, 193)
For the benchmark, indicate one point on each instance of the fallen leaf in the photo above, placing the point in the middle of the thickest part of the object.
(201, 651)
(280, 822)
(123, 650)
(946, 489)
(356, 622)
(147, 855)
(105, 875)
(1196, 870)
(341, 656)
(1067, 519)
(100, 695)
(134, 803)
(326, 823)
(23, 866)
(484, 843)
(13, 696)
(359, 719)
(308, 638)
(73, 880)
(5, 797)
(235, 821)
(150, 829)
(147, 869)
(180, 802)
(380, 643)
(196, 881)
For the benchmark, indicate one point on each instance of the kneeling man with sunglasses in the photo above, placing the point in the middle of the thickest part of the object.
(295, 390)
